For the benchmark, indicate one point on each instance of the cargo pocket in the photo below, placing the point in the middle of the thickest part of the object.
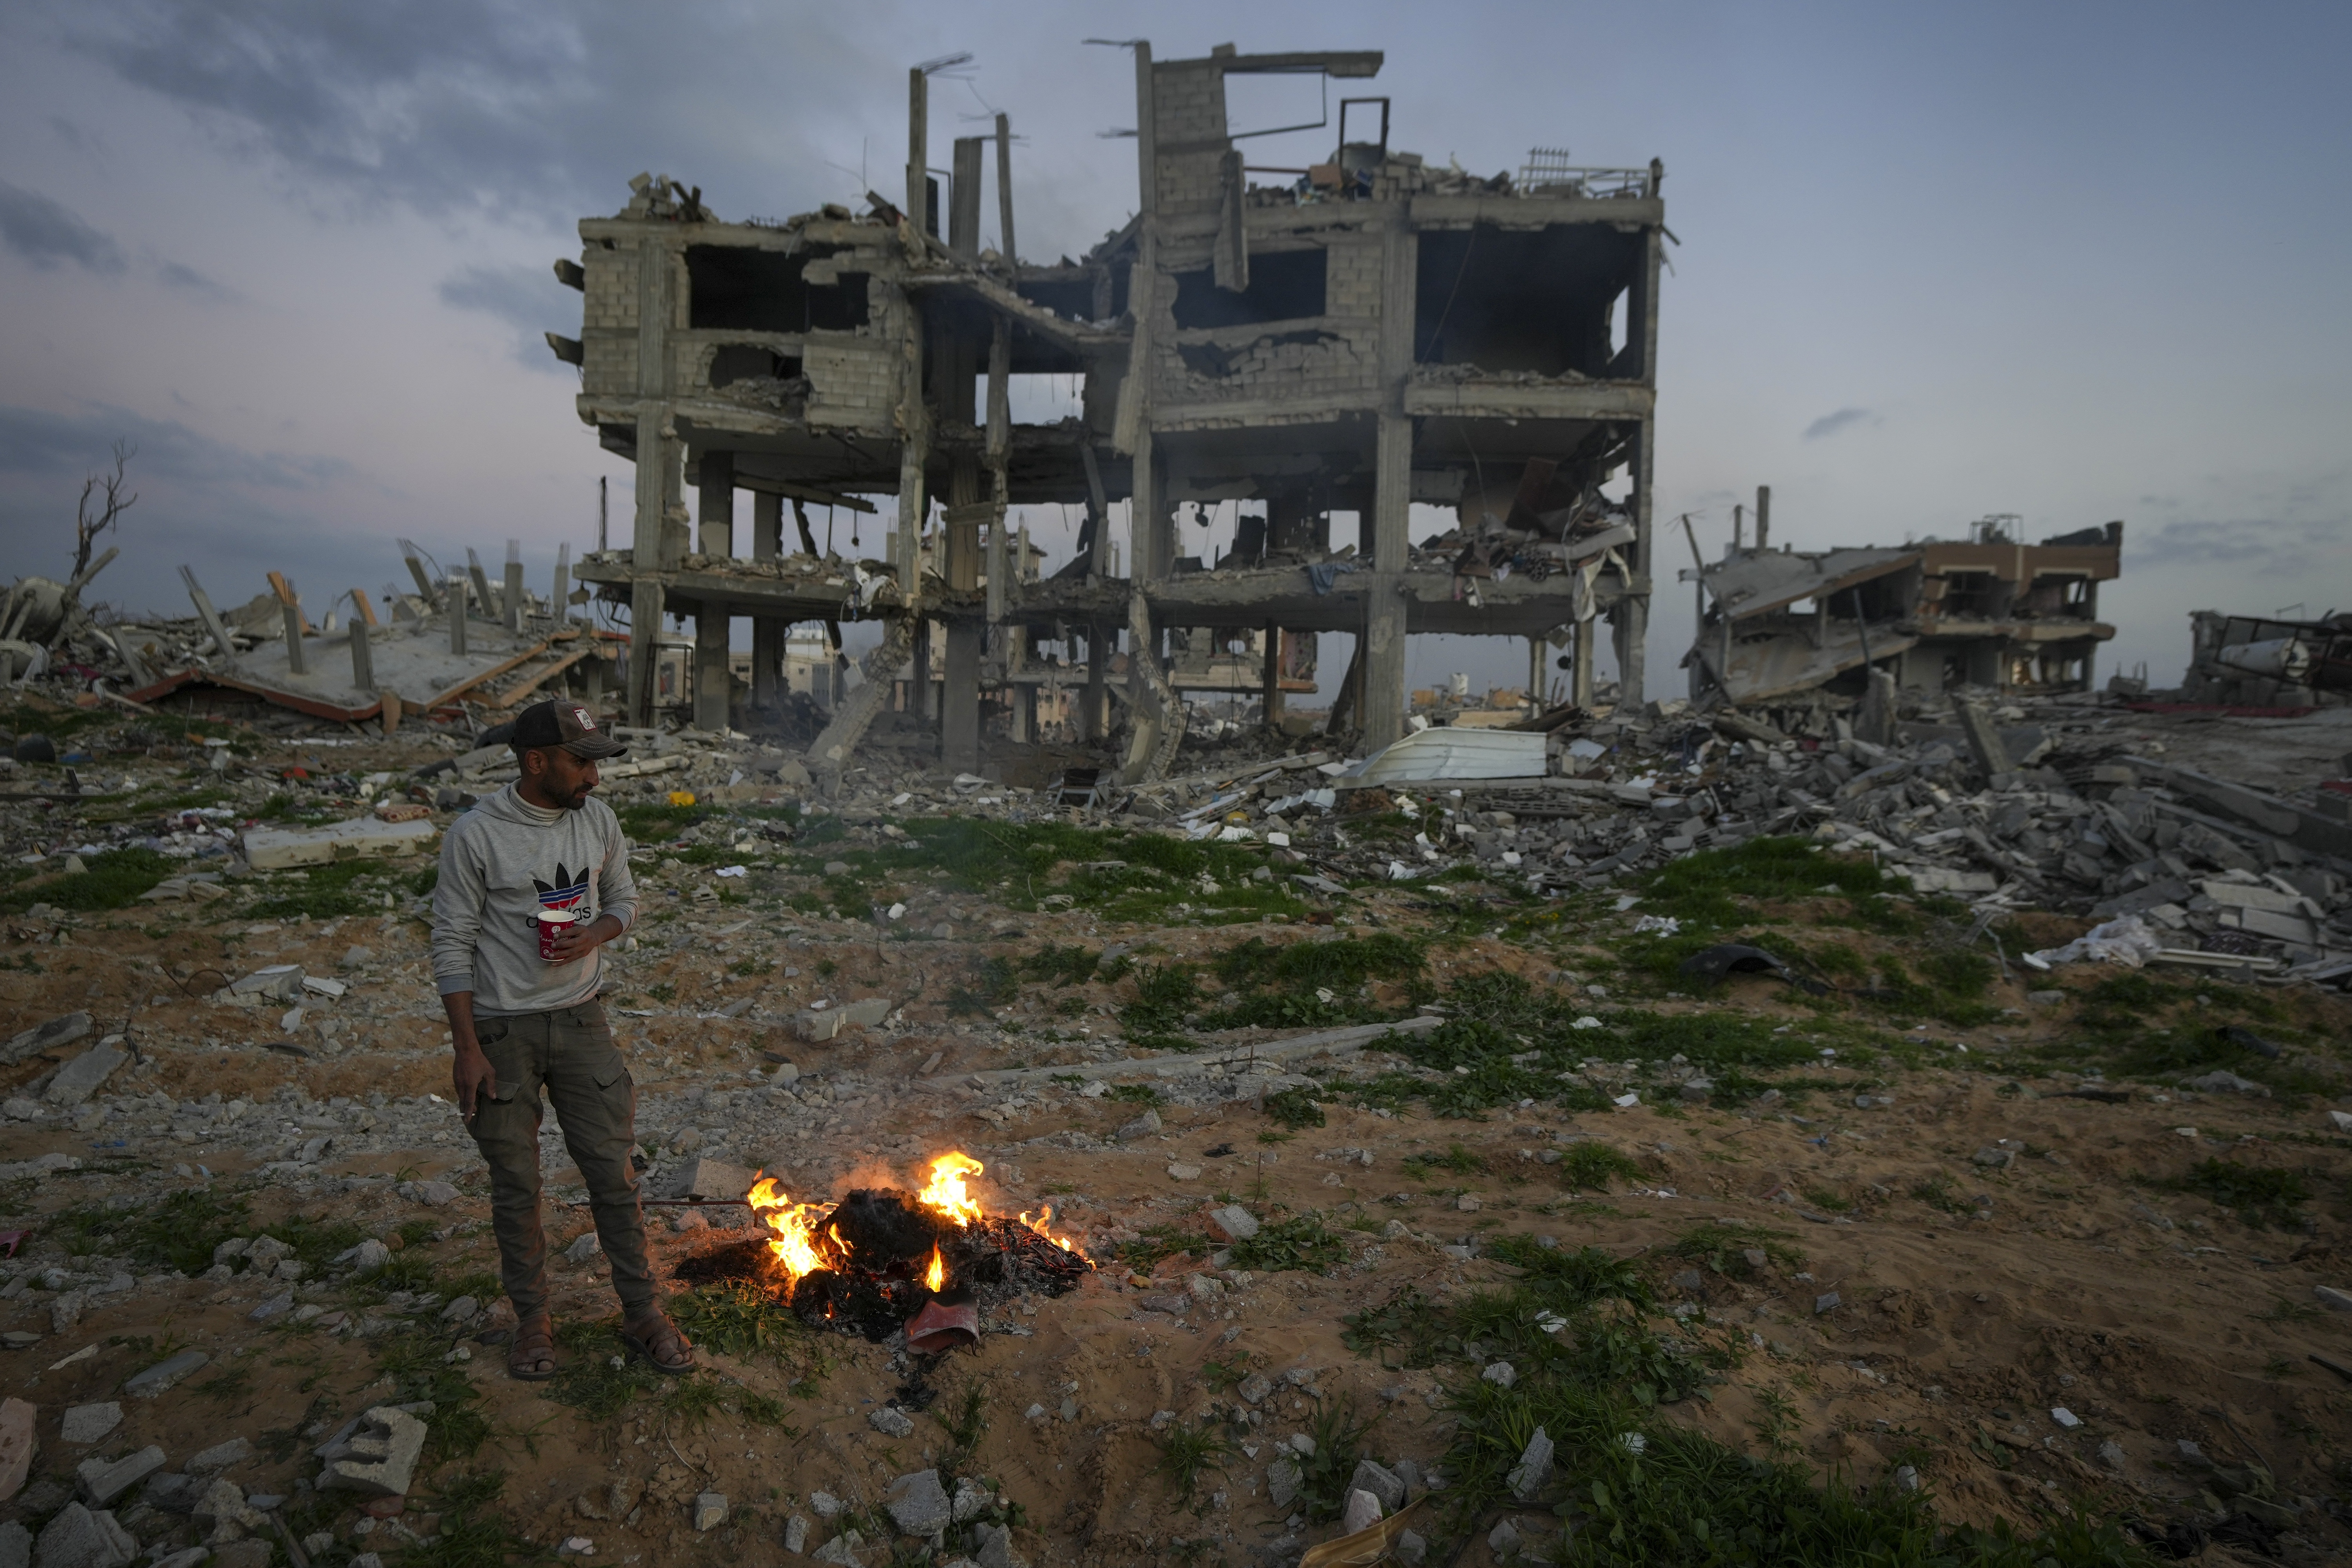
(506, 1059)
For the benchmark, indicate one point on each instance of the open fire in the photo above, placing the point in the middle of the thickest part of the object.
(882, 1256)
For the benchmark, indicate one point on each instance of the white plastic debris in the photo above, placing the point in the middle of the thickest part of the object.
(2125, 940)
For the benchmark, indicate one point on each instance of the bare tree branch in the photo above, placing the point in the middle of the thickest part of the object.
(113, 500)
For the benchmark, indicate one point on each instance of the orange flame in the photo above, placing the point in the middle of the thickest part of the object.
(947, 1192)
(1039, 1226)
(936, 1276)
(795, 1242)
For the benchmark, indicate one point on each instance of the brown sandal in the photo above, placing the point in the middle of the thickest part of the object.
(530, 1356)
(658, 1340)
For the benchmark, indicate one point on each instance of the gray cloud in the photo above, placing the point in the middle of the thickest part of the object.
(1844, 419)
(37, 444)
(527, 297)
(46, 233)
(450, 106)
(188, 281)
(2266, 545)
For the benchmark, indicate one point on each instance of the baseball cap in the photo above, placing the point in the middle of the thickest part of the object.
(564, 724)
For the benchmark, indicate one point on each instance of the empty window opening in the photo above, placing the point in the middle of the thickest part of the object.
(1284, 286)
(1039, 398)
(1545, 301)
(1621, 322)
(1970, 596)
(732, 363)
(736, 289)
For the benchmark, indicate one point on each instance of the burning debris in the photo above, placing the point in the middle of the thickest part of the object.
(882, 1258)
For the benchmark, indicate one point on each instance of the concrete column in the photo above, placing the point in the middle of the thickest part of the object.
(510, 596)
(963, 199)
(562, 602)
(715, 506)
(959, 698)
(919, 681)
(919, 144)
(646, 589)
(1098, 692)
(1271, 700)
(769, 633)
(1536, 673)
(1580, 663)
(1631, 619)
(712, 685)
(456, 610)
(363, 661)
(1383, 665)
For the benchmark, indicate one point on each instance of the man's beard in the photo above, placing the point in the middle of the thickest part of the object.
(575, 800)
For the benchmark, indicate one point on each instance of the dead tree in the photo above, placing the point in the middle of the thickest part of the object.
(112, 501)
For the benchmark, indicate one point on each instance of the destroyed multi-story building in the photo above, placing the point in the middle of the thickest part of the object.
(1990, 611)
(1334, 343)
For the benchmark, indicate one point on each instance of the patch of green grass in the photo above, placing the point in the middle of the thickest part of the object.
(1936, 1193)
(1588, 1166)
(1293, 1108)
(1302, 1241)
(1457, 1160)
(1724, 1247)
(596, 1375)
(2261, 1198)
(113, 880)
(1950, 985)
(1165, 998)
(1822, 1197)
(1190, 1451)
(993, 982)
(1324, 1475)
(1141, 1094)
(178, 1230)
(316, 1239)
(651, 822)
(1160, 1241)
(347, 889)
(468, 1536)
(739, 1320)
(1073, 964)
(1702, 886)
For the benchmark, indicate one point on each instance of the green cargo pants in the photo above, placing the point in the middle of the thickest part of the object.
(569, 1054)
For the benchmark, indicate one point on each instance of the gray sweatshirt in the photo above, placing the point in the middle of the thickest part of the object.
(501, 863)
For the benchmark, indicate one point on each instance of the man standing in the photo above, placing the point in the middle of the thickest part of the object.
(519, 982)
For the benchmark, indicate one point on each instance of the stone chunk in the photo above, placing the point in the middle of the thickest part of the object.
(370, 1256)
(709, 1511)
(79, 1078)
(918, 1504)
(59, 1031)
(1282, 1482)
(1381, 1482)
(219, 1457)
(15, 1546)
(102, 1481)
(584, 1248)
(2333, 1299)
(276, 849)
(706, 1178)
(842, 1550)
(221, 1505)
(994, 1546)
(891, 1422)
(1409, 1547)
(1828, 1301)
(432, 1194)
(1993, 1158)
(89, 1422)
(1529, 1475)
(376, 1454)
(1363, 1512)
(797, 1531)
(163, 1375)
(1143, 1126)
(1233, 1223)
(18, 1445)
(78, 1538)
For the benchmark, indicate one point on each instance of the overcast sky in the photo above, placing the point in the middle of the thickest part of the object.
(2073, 262)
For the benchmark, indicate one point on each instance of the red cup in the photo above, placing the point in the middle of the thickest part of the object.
(553, 923)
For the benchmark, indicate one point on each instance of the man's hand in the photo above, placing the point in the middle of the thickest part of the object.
(575, 942)
(471, 1075)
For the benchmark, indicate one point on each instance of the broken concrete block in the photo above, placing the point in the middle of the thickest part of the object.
(221, 1506)
(1381, 1482)
(432, 1194)
(891, 1422)
(1409, 1549)
(219, 1457)
(1363, 1512)
(1985, 744)
(90, 1423)
(797, 1531)
(65, 1312)
(79, 1078)
(361, 839)
(1233, 1223)
(583, 1247)
(816, 1025)
(1282, 1483)
(78, 1538)
(18, 1446)
(1143, 1126)
(865, 1013)
(163, 1375)
(842, 1550)
(59, 1031)
(101, 1481)
(918, 1504)
(709, 1511)
(1529, 1475)
(378, 1459)
(706, 1178)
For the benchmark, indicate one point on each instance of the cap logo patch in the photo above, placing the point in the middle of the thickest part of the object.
(580, 716)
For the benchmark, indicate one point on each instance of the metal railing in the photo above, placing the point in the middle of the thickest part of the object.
(1549, 173)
